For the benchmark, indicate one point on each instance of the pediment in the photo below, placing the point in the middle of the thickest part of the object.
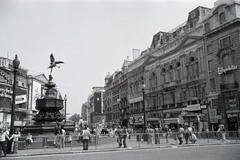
(189, 40)
(150, 60)
(42, 78)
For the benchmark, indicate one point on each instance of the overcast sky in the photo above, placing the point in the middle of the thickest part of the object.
(92, 37)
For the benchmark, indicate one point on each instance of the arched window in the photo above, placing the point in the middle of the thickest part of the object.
(153, 80)
(178, 71)
(163, 72)
(207, 27)
(192, 68)
(170, 73)
(222, 18)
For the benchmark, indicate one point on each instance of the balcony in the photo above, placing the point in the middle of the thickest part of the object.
(229, 86)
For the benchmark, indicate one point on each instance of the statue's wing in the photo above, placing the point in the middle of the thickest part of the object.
(57, 62)
(52, 58)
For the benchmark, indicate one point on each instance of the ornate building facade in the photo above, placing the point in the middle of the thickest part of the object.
(222, 48)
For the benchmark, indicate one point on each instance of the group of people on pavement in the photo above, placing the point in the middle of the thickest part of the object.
(122, 134)
(60, 135)
(187, 133)
(9, 140)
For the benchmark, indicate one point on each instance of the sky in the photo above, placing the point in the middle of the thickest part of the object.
(92, 37)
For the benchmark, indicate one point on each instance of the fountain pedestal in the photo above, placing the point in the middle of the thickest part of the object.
(49, 112)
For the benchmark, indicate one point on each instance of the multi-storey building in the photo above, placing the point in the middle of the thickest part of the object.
(124, 107)
(96, 106)
(222, 35)
(135, 97)
(176, 77)
(6, 93)
(107, 100)
(116, 97)
(190, 73)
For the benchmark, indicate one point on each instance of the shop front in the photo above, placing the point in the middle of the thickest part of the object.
(196, 115)
(232, 119)
(172, 123)
(171, 118)
(153, 122)
(138, 123)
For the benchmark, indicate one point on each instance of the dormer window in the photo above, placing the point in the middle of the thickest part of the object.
(222, 18)
(207, 27)
(192, 14)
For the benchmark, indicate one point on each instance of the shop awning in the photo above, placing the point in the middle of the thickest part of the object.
(152, 119)
(191, 118)
(171, 120)
(138, 123)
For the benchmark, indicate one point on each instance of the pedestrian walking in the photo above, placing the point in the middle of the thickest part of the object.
(15, 137)
(125, 135)
(86, 137)
(150, 134)
(56, 133)
(62, 135)
(219, 132)
(3, 137)
(224, 139)
(188, 133)
(156, 135)
(130, 131)
(166, 133)
(120, 133)
(180, 134)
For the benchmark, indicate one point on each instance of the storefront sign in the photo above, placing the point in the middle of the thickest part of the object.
(213, 116)
(21, 99)
(222, 70)
(194, 107)
(232, 103)
(4, 75)
(229, 115)
(5, 92)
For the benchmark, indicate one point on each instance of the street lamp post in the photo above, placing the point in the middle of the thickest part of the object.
(120, 110)
(65, 99)
(144, 111)
(16, 64)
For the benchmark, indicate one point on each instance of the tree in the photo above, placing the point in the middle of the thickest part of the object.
(75, 117)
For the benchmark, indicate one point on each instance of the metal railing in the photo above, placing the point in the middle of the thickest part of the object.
(137, 140)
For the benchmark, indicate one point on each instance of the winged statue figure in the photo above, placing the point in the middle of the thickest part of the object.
(53, 63)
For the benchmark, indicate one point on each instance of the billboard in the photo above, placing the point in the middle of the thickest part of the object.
(36, 93)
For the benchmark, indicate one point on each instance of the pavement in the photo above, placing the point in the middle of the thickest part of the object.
(132, 144)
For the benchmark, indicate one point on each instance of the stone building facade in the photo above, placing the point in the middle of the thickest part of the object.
(191, 73)
(222, 36)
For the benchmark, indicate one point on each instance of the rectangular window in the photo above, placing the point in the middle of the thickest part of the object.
(178, 74)
(210, 65)
(225, 42)
(209, 49)
(212, 85)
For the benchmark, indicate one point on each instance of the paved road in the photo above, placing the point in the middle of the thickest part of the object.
(212, 152)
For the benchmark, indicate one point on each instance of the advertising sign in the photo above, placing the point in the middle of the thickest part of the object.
(36, 92)
(213, 116)
(21, 99)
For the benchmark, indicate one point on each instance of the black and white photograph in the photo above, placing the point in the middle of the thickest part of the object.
(119, 79)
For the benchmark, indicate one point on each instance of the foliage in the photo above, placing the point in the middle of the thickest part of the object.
(75, 117)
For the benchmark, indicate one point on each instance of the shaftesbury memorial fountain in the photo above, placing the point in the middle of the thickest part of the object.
(49, 108)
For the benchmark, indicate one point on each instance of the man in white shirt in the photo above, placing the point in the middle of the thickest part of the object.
(3, 136)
